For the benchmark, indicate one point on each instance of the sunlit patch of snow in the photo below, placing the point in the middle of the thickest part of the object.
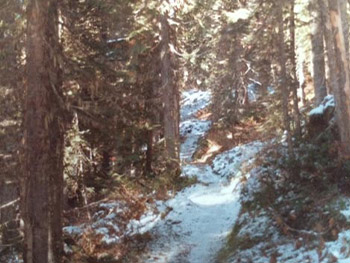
(213, 148)
(192, 130)
(215, 196)
(328, 102)
(346, 213)
(144, 224)
(193, 101)
(199, 218)
(340, 248)
(203, 173)
(252, 186)
(269, 243)
(194, 127)
(202, 215)
(229, 162)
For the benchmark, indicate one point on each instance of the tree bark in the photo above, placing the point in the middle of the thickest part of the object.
(319, 73)
(283, 77)
(170, 95)
(345, 24)
(43, 138)
(329, 44)
(341, 71)
(295, 83)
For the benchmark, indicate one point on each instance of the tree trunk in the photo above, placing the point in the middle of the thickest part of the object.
(329, 42)
(345, 24)
(170, 95)
(283, 77)
(319, 73)
(295, 83)
(342, 89)
(43, 138)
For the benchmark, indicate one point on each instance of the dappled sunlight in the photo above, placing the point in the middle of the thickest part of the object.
(213, 148)
(194, 228)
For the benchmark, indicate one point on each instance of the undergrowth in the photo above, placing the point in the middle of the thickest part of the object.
(302, 197)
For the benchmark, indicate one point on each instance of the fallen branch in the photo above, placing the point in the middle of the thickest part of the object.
(9, 204)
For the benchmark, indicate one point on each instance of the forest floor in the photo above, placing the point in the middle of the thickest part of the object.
(250, 204)
(197, 220)
(246, 203)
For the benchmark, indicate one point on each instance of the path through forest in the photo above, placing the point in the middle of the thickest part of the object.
(202, 215)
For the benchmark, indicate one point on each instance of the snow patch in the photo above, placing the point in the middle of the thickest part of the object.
(228, 163)
(202, 215)
(197, 220)
(194, 101)
(144, 224)
(328, 102)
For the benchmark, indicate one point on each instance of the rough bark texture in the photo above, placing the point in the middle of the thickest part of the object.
(343, 5)
(170, 95)
(329, 42)
(295, 83)
(283, 78)
(342, 89)
(318, 61)
(43, 138)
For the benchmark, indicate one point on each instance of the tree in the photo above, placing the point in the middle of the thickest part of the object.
(295, 82)
(283, 77)
(341, 70)
(345, 24)
(318, 61)
(43, 138)
(170, 94)
(11, 95)
(329, 45)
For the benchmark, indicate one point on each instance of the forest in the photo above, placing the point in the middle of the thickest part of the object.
(174, 131)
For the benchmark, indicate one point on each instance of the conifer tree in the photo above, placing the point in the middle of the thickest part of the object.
(43, 138)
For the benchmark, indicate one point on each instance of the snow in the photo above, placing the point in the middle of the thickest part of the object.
(73, 230)
(106, 225)
(146, 223)
(253, 92)
(190, 127)
(267, 239)
(228, 162)
(328, 102)
(193, 101)
(340, 248)
(201, 216)
(346, 213)
(193, 130)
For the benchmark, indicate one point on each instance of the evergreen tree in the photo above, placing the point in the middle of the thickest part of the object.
(43, 139)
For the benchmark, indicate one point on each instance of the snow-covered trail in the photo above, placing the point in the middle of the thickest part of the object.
(202, 215)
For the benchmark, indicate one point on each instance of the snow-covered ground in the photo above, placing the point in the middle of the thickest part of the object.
(191, 128)
(202, 215)
(269, 242)
(192, 226)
